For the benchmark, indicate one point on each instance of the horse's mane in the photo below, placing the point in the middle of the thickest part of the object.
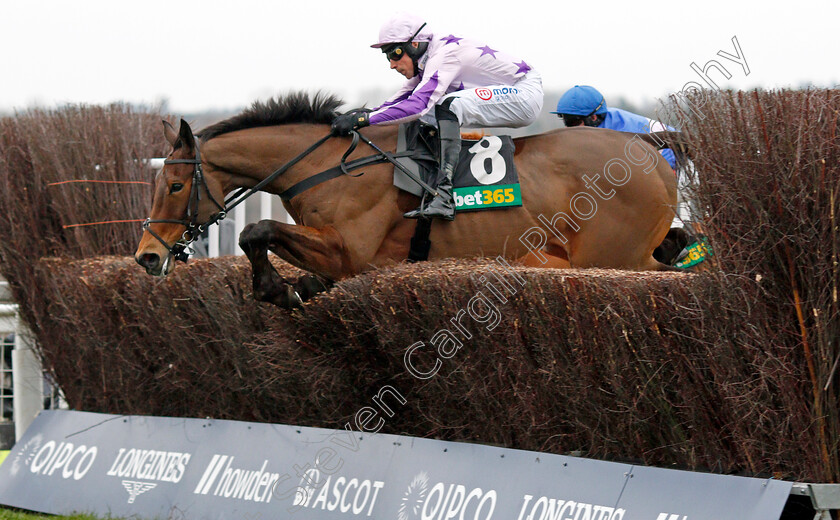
(296, 107)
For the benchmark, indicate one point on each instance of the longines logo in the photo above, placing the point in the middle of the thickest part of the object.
(147, 464)
(27, 453)
(135, 488)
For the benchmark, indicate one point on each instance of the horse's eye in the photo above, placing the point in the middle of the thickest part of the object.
(176, 187)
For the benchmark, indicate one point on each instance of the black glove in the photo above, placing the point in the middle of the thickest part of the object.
(346, 123)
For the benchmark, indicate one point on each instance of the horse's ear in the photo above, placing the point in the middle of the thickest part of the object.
(170, 133)
(186, 135)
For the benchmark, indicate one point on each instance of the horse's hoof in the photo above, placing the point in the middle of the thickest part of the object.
(288, 298)
(309, 285)
(282, 295)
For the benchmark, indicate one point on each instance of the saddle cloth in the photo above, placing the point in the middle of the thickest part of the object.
(485, 177)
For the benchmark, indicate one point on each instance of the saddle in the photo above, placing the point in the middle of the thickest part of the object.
(418, 151)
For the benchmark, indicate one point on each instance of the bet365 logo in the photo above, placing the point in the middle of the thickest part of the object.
(484, 198)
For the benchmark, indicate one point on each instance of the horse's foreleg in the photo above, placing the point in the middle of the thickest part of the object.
(320, 251)
(267, 284)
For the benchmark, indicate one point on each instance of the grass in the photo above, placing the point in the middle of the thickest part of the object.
(10, 514)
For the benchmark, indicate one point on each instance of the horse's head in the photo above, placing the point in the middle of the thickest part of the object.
(185, 203)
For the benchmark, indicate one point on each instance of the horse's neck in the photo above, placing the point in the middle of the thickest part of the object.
(245, 158)
(242, 159)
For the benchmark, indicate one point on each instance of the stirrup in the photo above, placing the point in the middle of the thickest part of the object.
(415, 213)
(442, 206)
(418, 212)
(437, 208)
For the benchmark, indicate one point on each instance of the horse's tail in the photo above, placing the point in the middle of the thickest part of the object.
(676, 141)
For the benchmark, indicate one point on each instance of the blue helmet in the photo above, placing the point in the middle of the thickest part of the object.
(583, 101)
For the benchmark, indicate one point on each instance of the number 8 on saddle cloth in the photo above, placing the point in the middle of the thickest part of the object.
(485, 178)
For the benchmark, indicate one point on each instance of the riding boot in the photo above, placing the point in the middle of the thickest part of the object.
(449, 130)
(442, 206)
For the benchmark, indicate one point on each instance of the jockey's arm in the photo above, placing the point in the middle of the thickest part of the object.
(402, 94)
(438, 75)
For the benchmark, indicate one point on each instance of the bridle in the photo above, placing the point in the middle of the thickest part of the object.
(181, 250)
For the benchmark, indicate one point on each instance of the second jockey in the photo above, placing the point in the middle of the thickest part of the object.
(584, 105)
(453, 81)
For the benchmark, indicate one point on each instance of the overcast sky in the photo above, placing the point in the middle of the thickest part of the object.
(203, 55)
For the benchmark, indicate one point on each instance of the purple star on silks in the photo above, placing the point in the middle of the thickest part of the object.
(523, 67)
(461, 86)
(451, 39)
(487, 50)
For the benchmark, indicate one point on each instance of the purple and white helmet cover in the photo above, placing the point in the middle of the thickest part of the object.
(400, 27)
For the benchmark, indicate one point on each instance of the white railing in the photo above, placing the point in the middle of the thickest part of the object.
(223, 239)
(24, 388)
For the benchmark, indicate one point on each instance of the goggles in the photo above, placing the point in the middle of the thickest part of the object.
(394, 52)
(571, 120)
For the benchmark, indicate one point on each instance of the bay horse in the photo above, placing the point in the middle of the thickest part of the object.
(591, 198)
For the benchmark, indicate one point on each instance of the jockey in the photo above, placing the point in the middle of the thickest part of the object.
(454, 81)
(583, 105)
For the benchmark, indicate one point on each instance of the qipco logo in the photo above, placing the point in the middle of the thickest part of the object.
(72, 461)
(27, 453)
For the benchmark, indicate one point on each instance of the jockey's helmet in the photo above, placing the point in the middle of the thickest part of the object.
(582, 100)
(396, 35)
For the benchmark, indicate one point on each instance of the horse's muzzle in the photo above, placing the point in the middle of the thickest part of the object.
(151, 263)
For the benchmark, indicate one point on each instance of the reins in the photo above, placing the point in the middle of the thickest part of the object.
(268, 180)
